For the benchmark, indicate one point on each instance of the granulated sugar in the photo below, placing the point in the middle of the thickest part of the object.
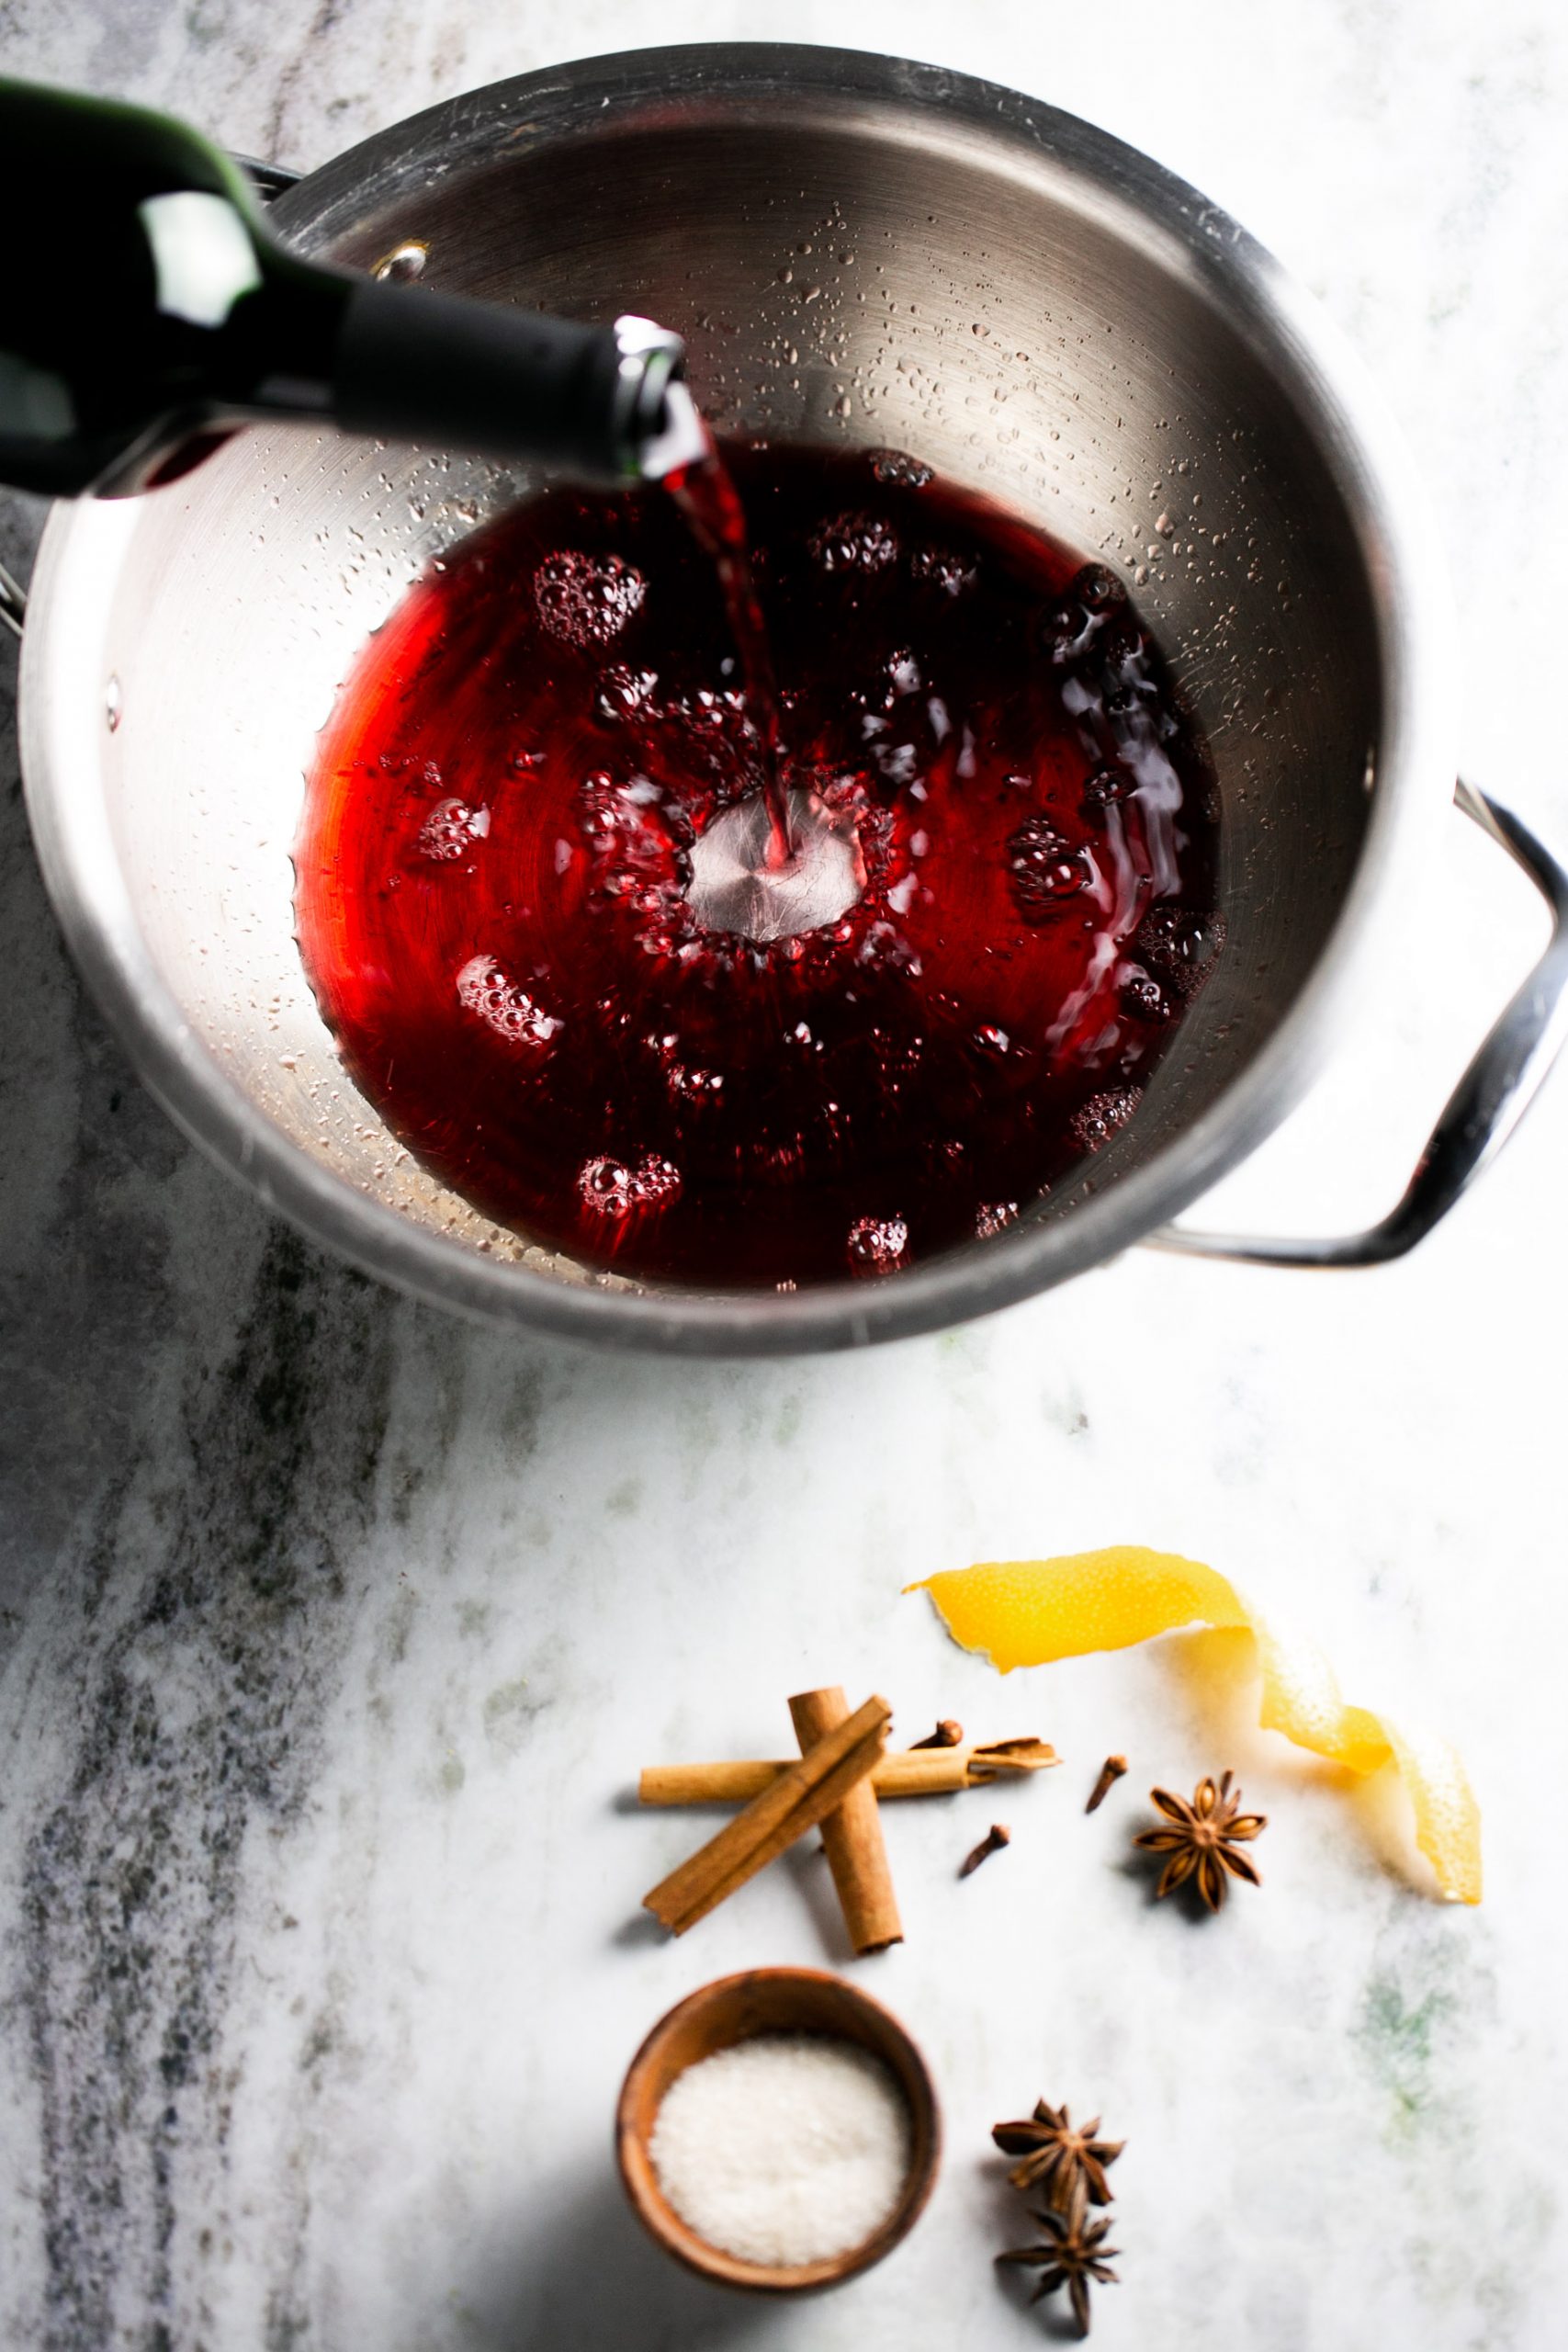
(783, 2150)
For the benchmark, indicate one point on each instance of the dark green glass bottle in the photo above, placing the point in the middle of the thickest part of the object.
(147, 309)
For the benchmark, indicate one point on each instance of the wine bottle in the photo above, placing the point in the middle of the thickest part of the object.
(148, 309)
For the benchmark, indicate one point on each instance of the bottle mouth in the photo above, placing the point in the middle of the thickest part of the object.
(680, 441)
(658, 428)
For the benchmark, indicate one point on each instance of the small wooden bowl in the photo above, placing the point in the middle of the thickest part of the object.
(732, 2010)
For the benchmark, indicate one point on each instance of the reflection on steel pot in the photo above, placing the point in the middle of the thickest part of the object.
(1048, 318)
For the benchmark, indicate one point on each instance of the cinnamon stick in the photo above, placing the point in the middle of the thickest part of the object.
(852, 1835)
(794, 1801)
(909, 1772)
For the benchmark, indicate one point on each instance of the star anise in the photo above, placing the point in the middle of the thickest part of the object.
(1202, 1841)
(1065, 2159)
(1073, 2252)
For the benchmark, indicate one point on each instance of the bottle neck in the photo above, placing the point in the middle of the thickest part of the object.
(149, 309)
(411, 363)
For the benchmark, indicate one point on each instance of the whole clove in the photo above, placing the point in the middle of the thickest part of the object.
(947, 1734)
(1110, 1772)
(995, 1839)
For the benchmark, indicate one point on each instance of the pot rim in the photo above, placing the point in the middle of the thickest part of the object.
(77, 564)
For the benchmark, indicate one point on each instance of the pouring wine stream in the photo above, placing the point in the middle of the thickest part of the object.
(777, 864)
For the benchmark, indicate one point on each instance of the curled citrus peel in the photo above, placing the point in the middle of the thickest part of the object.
(1026, 1612)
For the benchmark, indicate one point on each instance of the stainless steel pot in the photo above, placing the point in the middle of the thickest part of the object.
(861, 251)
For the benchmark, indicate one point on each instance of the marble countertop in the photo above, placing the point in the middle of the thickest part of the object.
(333, 1634)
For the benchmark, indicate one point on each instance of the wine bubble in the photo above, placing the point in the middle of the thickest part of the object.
(1044, 869)
(451, 830)
(898, 469)
(1094, 1123)
(485, 989)
(855, 542)
(587, 600)
(1181, 946)
(878, 1245)
(612, 1189)
(993, 1218)
(1097, 589)
(1108, 784)
(940, 568)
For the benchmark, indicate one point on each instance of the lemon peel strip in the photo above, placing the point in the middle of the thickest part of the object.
(1028, 1612)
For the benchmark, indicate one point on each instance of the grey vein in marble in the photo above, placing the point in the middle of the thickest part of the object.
(200, 1678)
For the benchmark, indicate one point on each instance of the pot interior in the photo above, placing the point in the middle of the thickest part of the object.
(849, 268)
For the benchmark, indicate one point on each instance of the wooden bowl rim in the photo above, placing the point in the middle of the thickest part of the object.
(660, 2217)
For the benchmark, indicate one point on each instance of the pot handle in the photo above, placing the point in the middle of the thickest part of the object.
(1483, 1110)
(268, 180)
(13, 602)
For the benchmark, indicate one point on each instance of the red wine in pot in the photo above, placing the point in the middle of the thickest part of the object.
(497, 845)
